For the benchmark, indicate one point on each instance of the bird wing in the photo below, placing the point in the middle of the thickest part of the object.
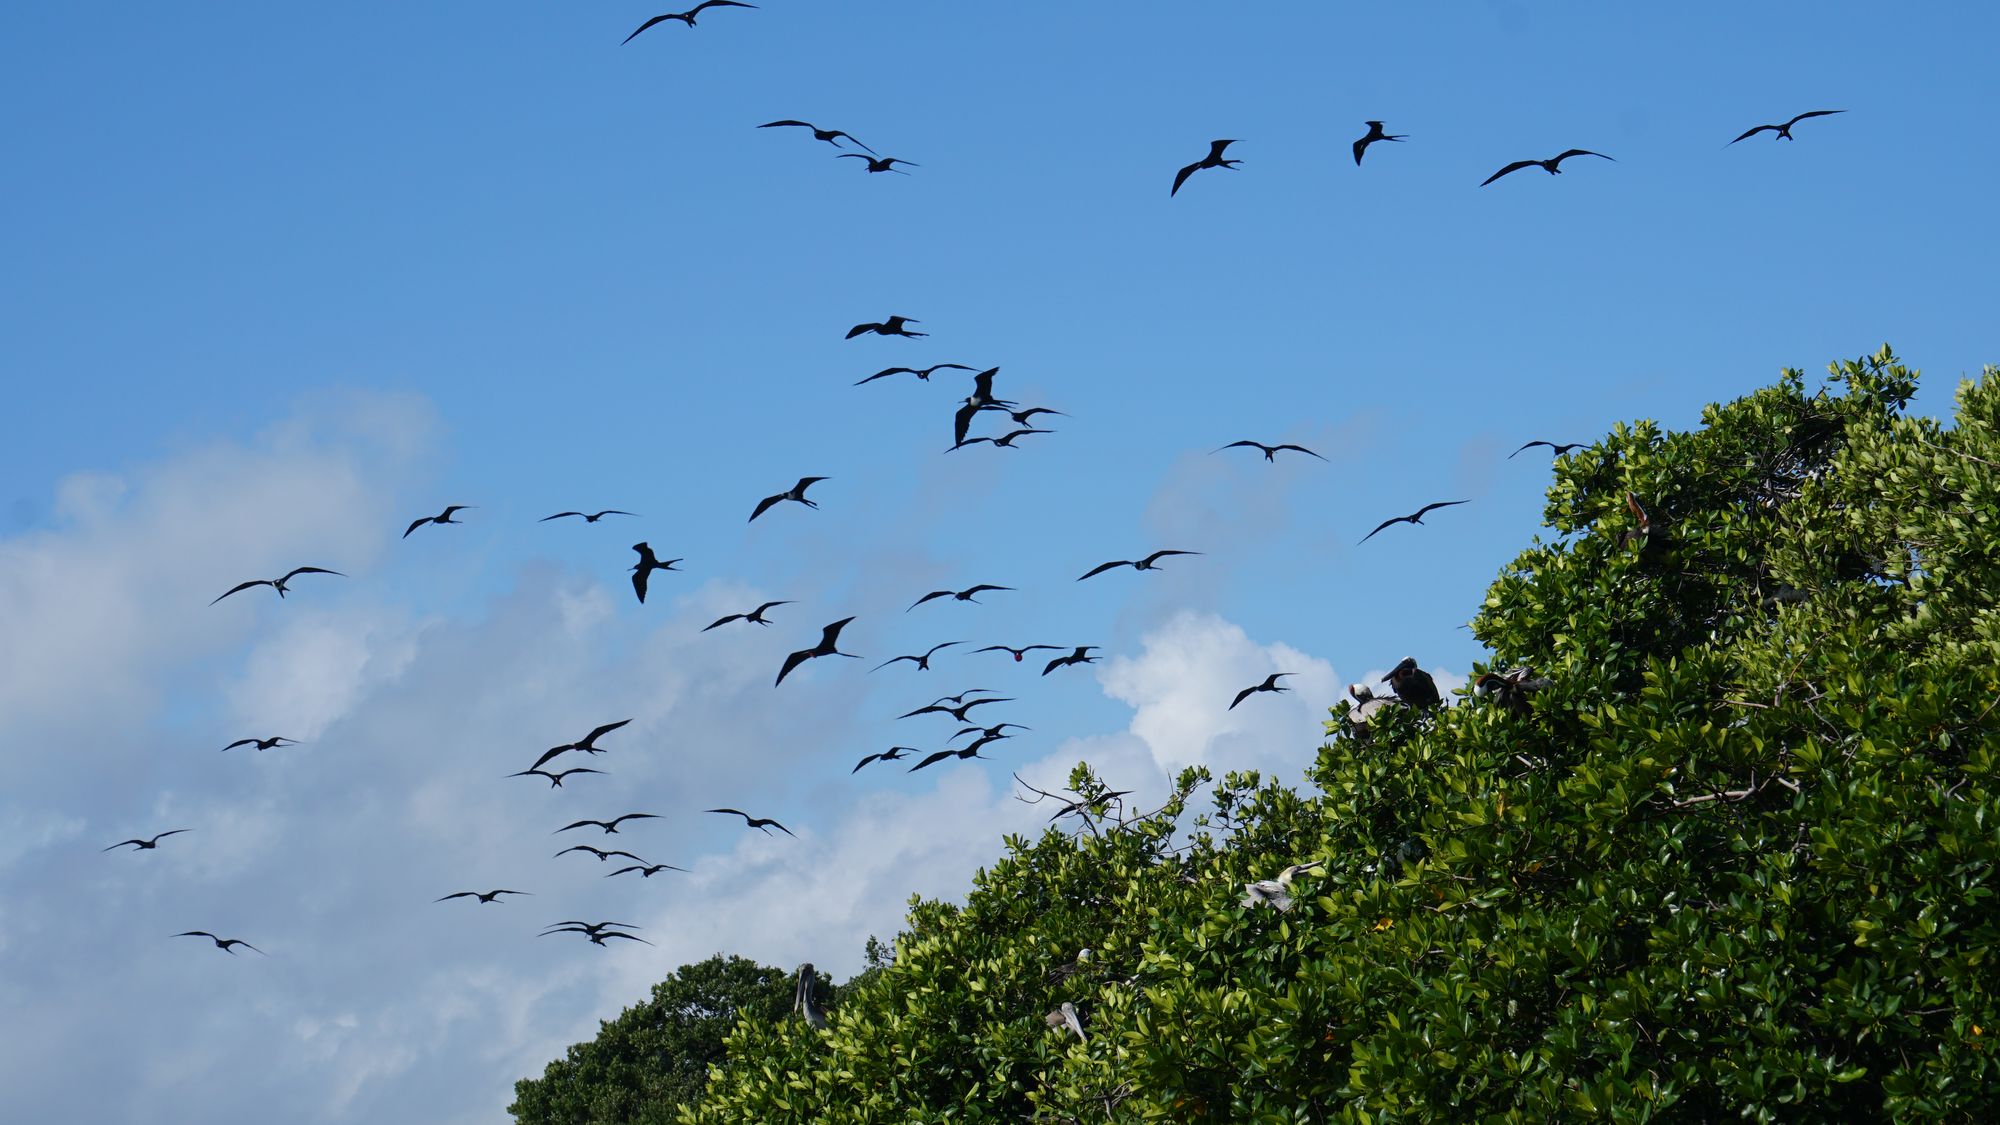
(1181, 178)
(961, 422)
(461, 894)
(805, 483)
(639, 576)
(583, 848)
(1567, 153)
(1361, 146)
(831, 133)
(1215, 148)
(450, 508)
(557, 516)
(1752, 133)
(610, 512)
(781, 828)
(791, 662)
(1440, 504)
(1812, 113)
(724, 621)
(788, 121)
(122, 843)
(545, 758)
(649, 23)
(634, 816)
(930, 710)
(934, 759)
(241, 742)
(623, 870)
(1527, 447)
(298, 570)
(415, 525)
(982, 383)
(1300, 449)
(871, 326)
(198, 933)
(894, 659)
(579, 769)
(1386, 523)
(1156, 556)
(531, 770)
(705, 4)
(1053, 665)
(935, 648)
(885, 373)
(1510, 169)
(246, 585)
(600, 732)
(829, 637)
(580, 824)
(602, 934)
(928, 597)
(764, 505)
(1241, 696)
(977, 589)
(1237, 445)
(862, 762)
(737, 812)
(1115, 563)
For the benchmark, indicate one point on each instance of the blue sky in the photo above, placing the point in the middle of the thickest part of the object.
(279, 281)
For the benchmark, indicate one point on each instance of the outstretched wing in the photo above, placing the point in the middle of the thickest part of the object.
(1181, 178)
(791, 662)
(764, 505)
(1427, 508)
(1241, 696)
(415, 524)
(933, 759)
(557, 516)
(649, 23)
(1300, 449)
(928, 597)
(1509, 170)
(1383, 524)
(1156, 556)
(1112, 565)
(1567, 153)
(724, 620)
(241, 586)
(1752, 133)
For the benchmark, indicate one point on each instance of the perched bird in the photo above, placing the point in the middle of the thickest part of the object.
(892, 754)
(261, 743)
(1784, 132)
(1018, 652)
(646, 872)
(588, 517)
(796, 492)
(1150, 562)
(803, 1003)
(587, 744)
(688, 16)
(1511, 688)
(894, 326)
(1642, 530)
(223, 944)
(489, 896)
(1214, 159)
(969, 752)
(609, 826)
(1270, 451)
(830, 136)
(884, 164)
(441, 517)
(829, 639)
(555, 779)
(760, 823)
(1558, 450)
(755, 615)
(1270, 684)
(957, 712)
(278, 584)
(923, 662)
(1065, 1016)
(1005, 441)
(923, 373)
(1415, 517)
(1549, 165)
(145, 845)
(1080, 656)
(601, 855)
(1375, 133)
(964, 595)
(647, 564)
(1276, 893)
(1367, 705)
(1412, 684)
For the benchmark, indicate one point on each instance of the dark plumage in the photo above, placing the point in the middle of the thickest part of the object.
(1784, 132)
(489, 896)
(923, 662)
(599, 853)
(647, 564)
(688, 16)
(555, 779)
(762, 824)
(646, 871)
(1558, 450)
(1375, 133)
(1270, 451)
(830, 136)
(755, 615)
(223, 944)
(146, 845)
(923, 373)
(964, 595)
(829, 640)
(441, 517)
(1214, 159)
(609, 826)
(1150, 562)
(588, 517)
(1270, 684)
(1549, 165)
(894, 326)
(1018, 652)
(262, 743)
(587, 744)
(796, 493)
(884, 164)
(892, 754)
(1412, 684)
(277, 584)
(1415, 517)
(1080, 656)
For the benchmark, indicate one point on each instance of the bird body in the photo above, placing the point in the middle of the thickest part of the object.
(892, 754)
(555, 779)
(1549, 165)
(1558, 450)
(587, 744)
(600, 854)
(1270, 451)
(489, 896)
(894, 326)
(688, 16)
(957, 712)
(1375, 133)
(223, 944)
(1214, 159)
(646, 871)
(923, 662)
(145, 845)
(278, 584)
(647, 564)
(760, 823)
(1005, 441)
(588, 517)
(829, 641)
(1784, 132)
(969, 752)
(1018, 652)
(1415, 517)
(441, 517)
(1270, 684)
(797, 492)
(964, 595)
(922, 373)
(1150, 562)
(830, 136)
(261, 743)
(884, 164)
(609, 826)
(1412, 684)
(1080, 656)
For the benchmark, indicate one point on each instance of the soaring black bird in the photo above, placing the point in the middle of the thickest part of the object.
(441, 517)
(1093, 806)
(599, 853)
(1270, 451)
(646, 871)
(489, 896)
(555, 779)
(1784, 132)
(923, 662)
(829, 641)
(892, 754)
(796, 492)
(1270, 684)
(1548, 165)
(989, 734)
(958, 712)
(145, 845)
(968, 753)
(1080, 656)
(688, 16)
(962, 595)
(222, 943)
(1005, 441)
(262, 743)
(959, 698)
(1412, 684)
(923, 373)
(760, 823)
(890, 327)
(1415, 517)
(597, 937)
(980, 399)
(277, 584)
(588, 517)
(1212, 160)
(882, 164)
(1558, 449)
(586, 927)
(609, 826)
(830, 136)
(1022, 416)
(1150, 562)
(1375, 133)
(756, 615)
(587, 744)
(647, 564)
(1018, 652)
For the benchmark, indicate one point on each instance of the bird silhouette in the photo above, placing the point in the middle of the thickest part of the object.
(961, 595)
(989, 734)
(588, 517)
(261, 743)
(883, 164)
(755, 615)
(646, 871)
(145, 845)
(1549, 165)
(599, 853)
(980, 399)
(830, 136)
(277, 584)
(1270, 451)
(587, 744)
(1559, 450)
(597, 937)
(1412, 684)
(688, 16)
(1214, 159)
(892, 754)
(555, 779)
(644, 568)
(440, 518)
(1080, 656)
(1375, 133)
(957, 712)
(1018, 652)
(1022, 416)
(1090, 805)
(609, 826)
(1270, 684)
(796, 492)
(828, 640)
(489, 896)
(1415, 517)
(223, 944)
(923, 373)
(894, 326)
(968, 753)
(1784, 132)
(923, 662)
(1150, 562)
(586, 927)
(760, 823)
(1004, 442)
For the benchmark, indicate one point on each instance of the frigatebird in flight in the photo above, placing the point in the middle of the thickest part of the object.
(885, 164)
(1270, 451)
(145, 845)
(262, 743)
(489, 896)
(892, 754)
(755, 615)
(441, 517)
(923, 662)
(1549, 165)
(1375, 133)
(760, 823)
(1559, 450)
(830, 136)
(555, 779)
(1005, 441)
(980, 399)
(586, 927)
(988, 734)
(829, 641)
(922, 373)
(1784, 132)
(1214, 159)
(890, 327)
(609, 826)
(588, 517)
(1412, 684)
(1080, 656)
(1148, 563)
(688, 16)
(1270, 684)
(278, 584)
(598, 935)
(600, 854)
(968, 753)
(958, 712)
(587, 744)
(647, 564)
(1415, 517)
(796, 492)
(1022, 416)
(646, 871)
(1018, 652)
(962, 595)
(222, 943)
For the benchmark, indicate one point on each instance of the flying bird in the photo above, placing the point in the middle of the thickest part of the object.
(830, 136)
(1018, 652)
(587, 744)
(980, 399)
(600, 854)
(1094, 805)
(555, 779)
(756, 615)
(1784, 132)
(222, 943)
(1270, 451)
(828, 641)
(1412, 684)
(588, 517)
(145, 845)
(1416, 517)
(760, 823)
(1022, 416)
(688, 16)
(1275, 893)
(609, 826)
(1148, 563)
(958, 712)
(884, 164)
(796, 492)
(1080, 656)
(1214, 159)
(441, 517)
(261, 743)
(586, 927)
(923, 662)
(646, 871)
(962, 595)
(1375, 133)
(803, 1003)
(489, 896)
(1270, 684)
(1558, 450)
(1003, 442)
(894, 326)
(1548, 165)
(647, 564)
(989, 734)
(892, 754)
(922, 373)
(277, 584)
(597, 937)
(1065, 1016)
(968, 753)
